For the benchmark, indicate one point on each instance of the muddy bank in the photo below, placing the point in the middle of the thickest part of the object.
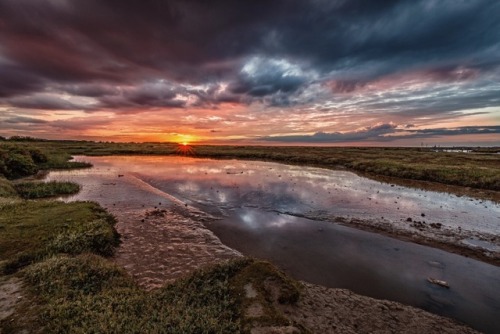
(162, 239)
(164, 203)
(324, 310)
(484, 247)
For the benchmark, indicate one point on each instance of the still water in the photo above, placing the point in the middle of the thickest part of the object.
(250, 199)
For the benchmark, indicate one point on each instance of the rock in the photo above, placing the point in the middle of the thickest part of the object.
(441, 283)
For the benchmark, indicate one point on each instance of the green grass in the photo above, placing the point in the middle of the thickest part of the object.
(89, 294)
(33, 230)
(20, 159)
(272, 287)
(6, 188)
(34, 190)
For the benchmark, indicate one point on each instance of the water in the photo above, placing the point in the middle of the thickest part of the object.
(225, 184)
(248, 197)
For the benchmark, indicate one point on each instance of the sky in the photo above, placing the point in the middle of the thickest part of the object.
(289, 72)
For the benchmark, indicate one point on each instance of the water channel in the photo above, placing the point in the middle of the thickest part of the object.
(257, 207)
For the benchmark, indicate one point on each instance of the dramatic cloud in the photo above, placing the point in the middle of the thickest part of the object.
(380, 133)
(22, 119)
(290, 67)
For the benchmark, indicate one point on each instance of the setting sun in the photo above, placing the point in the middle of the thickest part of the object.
(185, 149)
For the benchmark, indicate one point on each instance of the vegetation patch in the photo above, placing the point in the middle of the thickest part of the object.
(88, 294)
(20, 159)
(34, 190)
(6, 188)
(479, 168)
(33, 230)
(271, 287)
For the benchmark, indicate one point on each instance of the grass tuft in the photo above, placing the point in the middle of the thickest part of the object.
(6, 188)
(33, 230)
(88, 294)
(35, 190)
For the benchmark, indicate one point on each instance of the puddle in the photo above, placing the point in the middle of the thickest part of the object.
(248, 196)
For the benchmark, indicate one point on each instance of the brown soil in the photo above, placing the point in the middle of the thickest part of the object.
(161, 245)
(324, 310)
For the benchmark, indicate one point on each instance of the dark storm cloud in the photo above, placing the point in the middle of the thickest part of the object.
(71, 45)
(383, 133)
(24, 120)
(15, 80)
(89, 90)
(265, 77)
(44, 103)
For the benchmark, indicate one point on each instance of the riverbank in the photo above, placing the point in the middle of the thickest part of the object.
(147, 218)
(474, 172)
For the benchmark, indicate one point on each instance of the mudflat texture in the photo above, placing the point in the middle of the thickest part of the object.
(161, 245)
(324, 310)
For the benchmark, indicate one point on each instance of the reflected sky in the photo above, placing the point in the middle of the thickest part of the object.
(251, 198)
(219, 186)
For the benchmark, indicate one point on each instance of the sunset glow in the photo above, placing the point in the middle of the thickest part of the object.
(391, 73)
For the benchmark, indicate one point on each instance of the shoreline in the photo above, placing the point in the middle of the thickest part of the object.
(151, 221)
(446, 239)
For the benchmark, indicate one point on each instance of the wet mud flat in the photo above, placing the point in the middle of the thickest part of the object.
(480, 246)
(164, 204)
(161, 239)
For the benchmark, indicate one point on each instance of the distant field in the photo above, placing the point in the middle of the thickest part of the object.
(479, 169)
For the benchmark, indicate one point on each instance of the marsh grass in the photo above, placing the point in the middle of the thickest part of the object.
(272, 286)
(7, 190)
(33, 230)
(479, 169)
(89, 294)
(35, 190)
